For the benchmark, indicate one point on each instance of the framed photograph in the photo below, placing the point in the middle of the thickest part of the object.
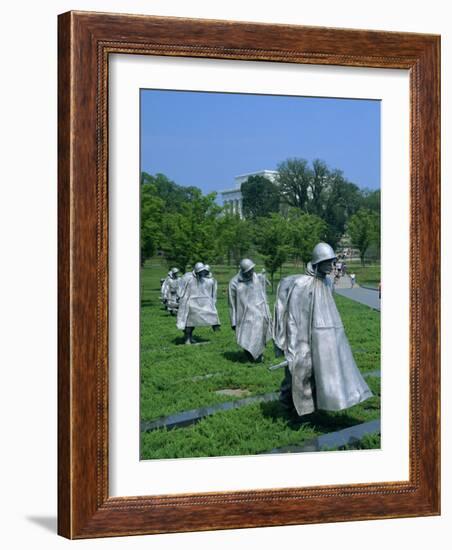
(248, 275)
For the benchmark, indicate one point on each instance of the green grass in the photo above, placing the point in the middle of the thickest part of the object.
(369, 441)
(368, 275)
(247, 430)
(176, 378)
(362, 326)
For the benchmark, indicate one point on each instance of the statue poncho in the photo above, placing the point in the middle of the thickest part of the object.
(309, 330)
(197, 299)
(164, 290)
(249, 313)
(170, 293)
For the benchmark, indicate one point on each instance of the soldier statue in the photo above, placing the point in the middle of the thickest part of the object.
(170, 291)
(264, 280)
(209, 271)
(249, 311)
(320, 370)
(164, 289)
(197, 302)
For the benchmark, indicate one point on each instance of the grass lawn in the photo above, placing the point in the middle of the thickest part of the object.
(367, 275)
(176, 378)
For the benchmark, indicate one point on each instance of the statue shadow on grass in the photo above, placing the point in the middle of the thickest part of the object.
(166, 313)
(163, 312)
(180, 341)
(147, 303)
(319, 420)
(237, 356)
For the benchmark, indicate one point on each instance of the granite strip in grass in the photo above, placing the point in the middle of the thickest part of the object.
(334, 440)
(187, 418)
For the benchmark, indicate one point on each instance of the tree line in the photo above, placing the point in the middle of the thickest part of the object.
(282, 219)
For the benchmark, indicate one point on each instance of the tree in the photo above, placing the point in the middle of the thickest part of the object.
(272, 238)
(343, 200)
(178, 220)
(305, 231)
(364, 228)
(320, 191)
(173, 195)
(190, 234)
(319, 187)
(233, 237)
(294, 179)
(151, 213)
(260, 197)
(371, 200)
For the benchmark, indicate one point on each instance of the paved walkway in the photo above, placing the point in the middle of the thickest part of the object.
(344, 282)
(365, 296)
(362, 295)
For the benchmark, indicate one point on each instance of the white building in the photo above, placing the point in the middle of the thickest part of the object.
(233, 197)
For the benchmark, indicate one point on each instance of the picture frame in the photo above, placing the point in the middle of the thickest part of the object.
(86, 40)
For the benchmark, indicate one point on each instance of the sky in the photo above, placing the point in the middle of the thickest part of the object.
(205, 139)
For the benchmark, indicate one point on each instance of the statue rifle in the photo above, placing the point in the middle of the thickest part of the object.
(279, 365)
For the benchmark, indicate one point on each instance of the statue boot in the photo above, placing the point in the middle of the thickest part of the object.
(188, 333)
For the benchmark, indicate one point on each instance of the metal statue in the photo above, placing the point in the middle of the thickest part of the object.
(164, 290)
(170, 291)
(197, 302)
(320, 370)
(209, 271)
(263, 279)
(249, 311)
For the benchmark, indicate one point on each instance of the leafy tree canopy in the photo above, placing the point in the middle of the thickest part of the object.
(305, 231)
(282, 220)
(272, 238)
(294, 178)
(321, 191)
(371, 200)
(342, 201)
(234, 238)
(364, 228)
(260, 197)
(152, 208)
(173, 195)
(190, 235)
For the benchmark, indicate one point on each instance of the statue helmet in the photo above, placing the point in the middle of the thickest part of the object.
(207, 266)
(199, 266)
(322, 252)
(246, 265)
(174, 270)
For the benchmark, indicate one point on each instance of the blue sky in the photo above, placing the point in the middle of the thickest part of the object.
(205, 139)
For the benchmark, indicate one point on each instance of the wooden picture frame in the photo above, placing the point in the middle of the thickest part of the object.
(86, 40)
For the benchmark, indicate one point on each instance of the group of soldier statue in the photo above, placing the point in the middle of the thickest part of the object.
(320, 372)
